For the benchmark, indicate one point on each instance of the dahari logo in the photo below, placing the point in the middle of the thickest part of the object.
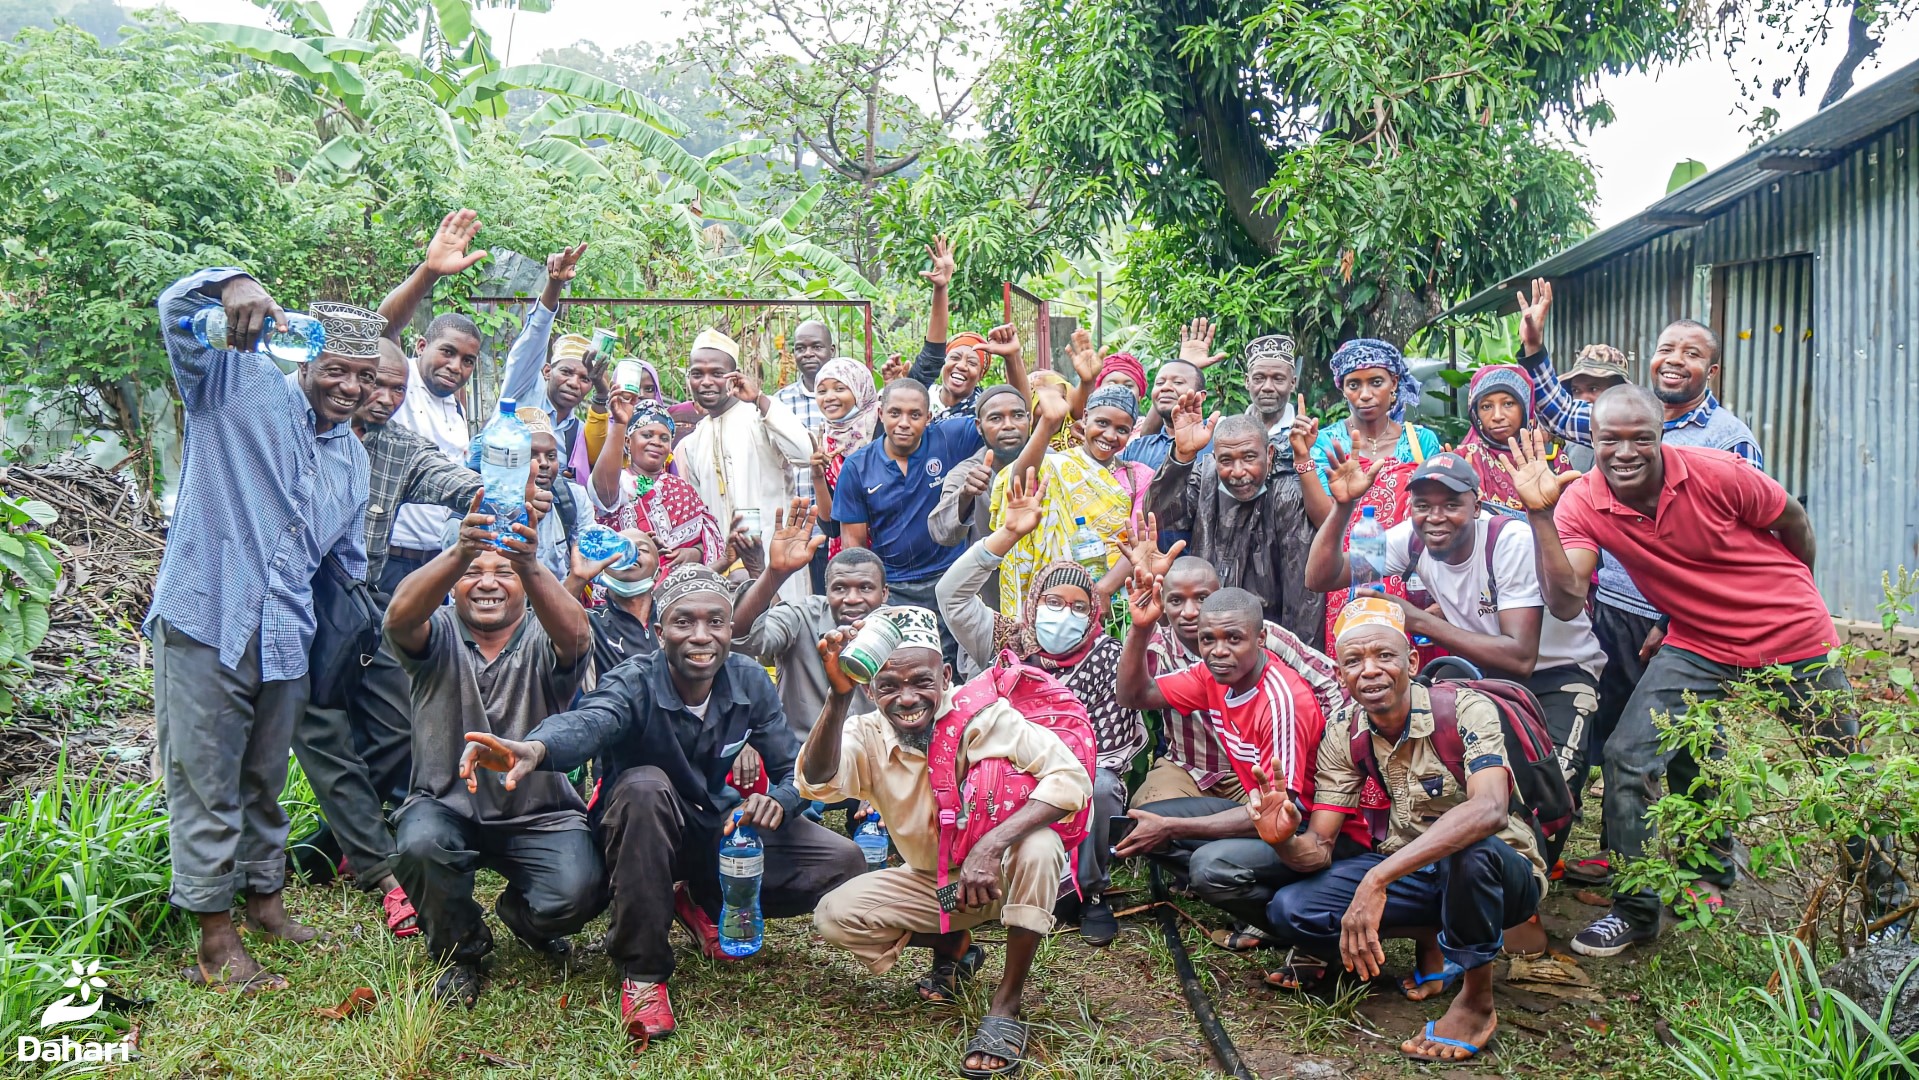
(89, 994)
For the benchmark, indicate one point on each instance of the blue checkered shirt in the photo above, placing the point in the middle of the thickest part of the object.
(263, 498)
(807, 407)
(1571, 418)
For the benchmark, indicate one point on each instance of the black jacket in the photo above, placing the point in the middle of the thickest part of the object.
(635, 717)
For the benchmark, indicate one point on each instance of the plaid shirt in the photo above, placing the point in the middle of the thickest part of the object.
(407, 467)
(1191, 742)
(806, 406)
(264, 497)
(1572, 418)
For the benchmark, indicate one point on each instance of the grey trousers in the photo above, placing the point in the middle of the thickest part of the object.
(358, 759)
(1635, 764)
(223, 735)
(1096, 851)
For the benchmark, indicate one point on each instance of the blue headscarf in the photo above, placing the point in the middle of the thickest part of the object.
(1374, 353)
(650, 411)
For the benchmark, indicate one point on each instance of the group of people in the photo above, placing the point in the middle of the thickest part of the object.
(1264, 724)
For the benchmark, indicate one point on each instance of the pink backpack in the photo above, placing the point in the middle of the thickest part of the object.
(993, 789)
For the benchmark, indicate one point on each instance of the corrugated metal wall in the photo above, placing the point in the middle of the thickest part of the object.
(1858, 433)
(1763, 314)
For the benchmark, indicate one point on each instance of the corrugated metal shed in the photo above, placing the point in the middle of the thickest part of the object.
(1803, 255)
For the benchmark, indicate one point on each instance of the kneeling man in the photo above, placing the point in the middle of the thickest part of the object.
(1456, 860)
(663, 730)
(1012, 874)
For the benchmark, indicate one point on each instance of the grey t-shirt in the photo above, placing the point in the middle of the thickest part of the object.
(455, 690)
(788, 637)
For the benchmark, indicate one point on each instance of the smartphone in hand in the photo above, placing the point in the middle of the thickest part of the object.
(1117, 829)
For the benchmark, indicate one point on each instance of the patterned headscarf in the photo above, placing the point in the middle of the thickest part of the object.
(854, 430)
(650, 411)
(683, 581)
(1121, 363)
(1508, 377)
(1114, 397)
(1373, 353)
(1019, 637)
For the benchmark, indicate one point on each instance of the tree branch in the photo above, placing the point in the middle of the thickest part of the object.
(1860, 45)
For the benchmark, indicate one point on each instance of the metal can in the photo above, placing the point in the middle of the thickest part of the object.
(863, 657)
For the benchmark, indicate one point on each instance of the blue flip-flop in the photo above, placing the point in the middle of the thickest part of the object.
(1446, 976)
(1471, 1050)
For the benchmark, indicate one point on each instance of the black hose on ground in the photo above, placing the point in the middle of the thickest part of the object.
(1216, 1038)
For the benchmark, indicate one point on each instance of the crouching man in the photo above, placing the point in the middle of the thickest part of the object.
(1455, 862)
(664, 730)
(1012, 874)
(486, 667)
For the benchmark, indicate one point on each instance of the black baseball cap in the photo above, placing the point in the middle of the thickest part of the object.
(1449, 469)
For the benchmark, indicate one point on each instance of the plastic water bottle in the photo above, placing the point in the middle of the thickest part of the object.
(872, 839)
(742, 861)
(1088, 549)
(598, 542)
(1366, 552)
(298, 342)
(506, 460)
(1417, 596)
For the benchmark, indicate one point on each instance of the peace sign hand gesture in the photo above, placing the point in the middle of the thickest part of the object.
(1538, 486)
(1532, 317)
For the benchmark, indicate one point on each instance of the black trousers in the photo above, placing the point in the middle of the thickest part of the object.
(358, 760)
(651, 841)
(1471, 896)
(1238, 875)
(554, 883)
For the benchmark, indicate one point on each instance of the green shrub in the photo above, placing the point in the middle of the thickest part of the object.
(1807, 1030)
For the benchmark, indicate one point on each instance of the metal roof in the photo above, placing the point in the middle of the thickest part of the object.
(1812, 146)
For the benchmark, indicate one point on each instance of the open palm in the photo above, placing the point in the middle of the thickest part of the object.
(1534, 480)
(1347, 477)
(1025, 504)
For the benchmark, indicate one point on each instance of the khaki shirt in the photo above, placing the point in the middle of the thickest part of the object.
(894, 778)
(1419, 785)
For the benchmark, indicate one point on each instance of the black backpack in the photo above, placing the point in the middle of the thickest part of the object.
(1547, 799)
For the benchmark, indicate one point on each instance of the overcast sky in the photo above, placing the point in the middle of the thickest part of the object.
(1687, 111)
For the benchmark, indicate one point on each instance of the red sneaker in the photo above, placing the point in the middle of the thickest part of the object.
(646, 1010)
(697, 922)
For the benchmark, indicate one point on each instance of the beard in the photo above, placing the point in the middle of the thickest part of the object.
(1676, 397)
(920, 740)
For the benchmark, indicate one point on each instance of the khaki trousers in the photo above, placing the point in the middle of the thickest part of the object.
(1167, 780)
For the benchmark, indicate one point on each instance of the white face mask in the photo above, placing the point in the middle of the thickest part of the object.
(627, 589)
(1058, 630)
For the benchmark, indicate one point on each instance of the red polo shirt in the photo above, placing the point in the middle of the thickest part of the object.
(1734, 593)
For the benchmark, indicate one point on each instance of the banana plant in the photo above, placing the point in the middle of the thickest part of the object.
(465, 83)
(776, 243)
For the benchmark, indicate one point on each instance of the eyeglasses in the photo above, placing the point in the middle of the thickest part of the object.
(1077, 607)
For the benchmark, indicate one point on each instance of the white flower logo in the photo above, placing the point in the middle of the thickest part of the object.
(85, 979)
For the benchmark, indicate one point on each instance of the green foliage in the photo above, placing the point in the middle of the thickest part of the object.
(1327, 169)
(1807, 1030)
(83, 877)
(1807, 800)
(1684, 173)
(29, 571)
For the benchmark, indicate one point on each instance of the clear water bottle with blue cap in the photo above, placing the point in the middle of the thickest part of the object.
(598, 542)
(742, 865)
(873, 841)
(1088, 549)
(506, 460)
(296, 341)
(1366, 552)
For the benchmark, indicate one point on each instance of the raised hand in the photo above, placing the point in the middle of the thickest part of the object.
(494, 754)
(520, 543)
(446, 253)
(1002, 340)
(893, 368)
(248, 308)
(1192, 431)
(1304, 433)
(585, 569)
(1025, 504)
(621, 405)
(1347, 479)
(744, 384)
(1144, 553)
(1537, 485)
(1196, 344)
(1275, 815)
(563, 264)
(1146, 600)
(1050, 403)
(476, 530)
(596, 372)
(979, 477)
(741, 544)
(1084, 356)
(1532, 316)
(944, 265)
(793, 544)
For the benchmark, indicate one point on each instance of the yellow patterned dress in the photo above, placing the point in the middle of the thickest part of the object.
(1076, 487)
